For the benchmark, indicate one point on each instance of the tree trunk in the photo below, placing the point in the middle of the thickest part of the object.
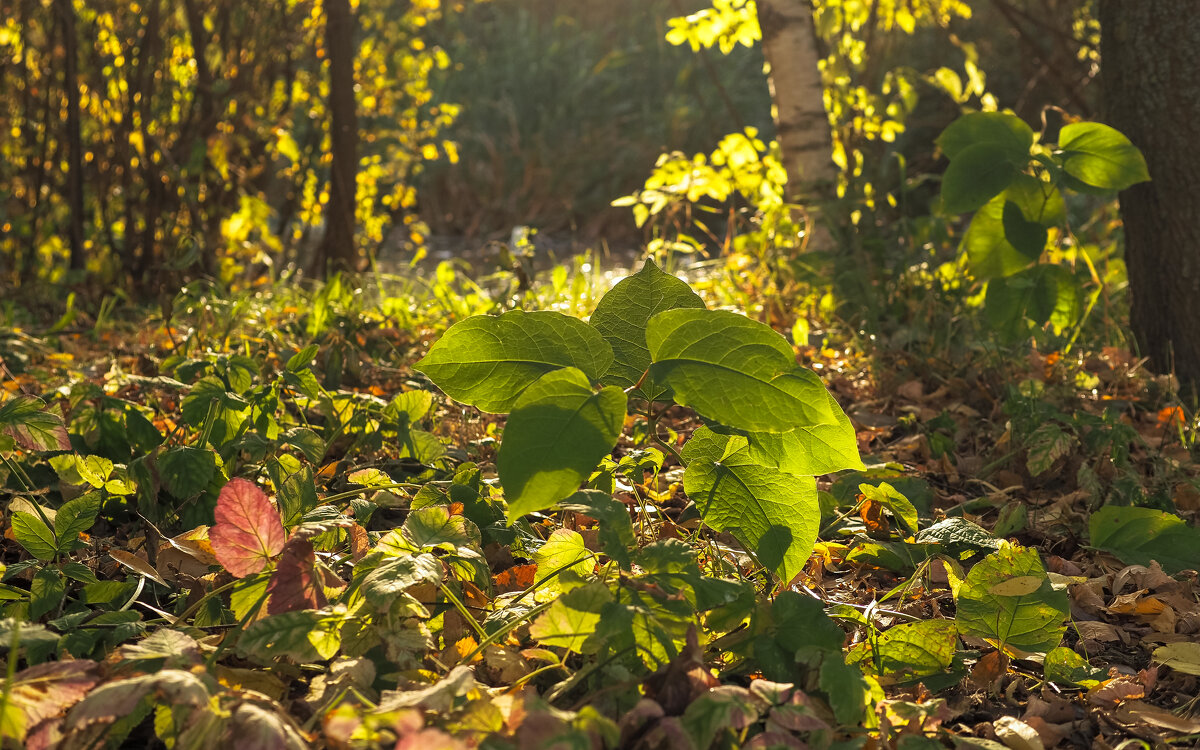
(337, 251)
(1150, 69)
(66, 17)
(789, 43)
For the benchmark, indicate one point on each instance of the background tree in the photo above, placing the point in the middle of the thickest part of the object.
(337, 250)
(789, 44)
(1151, 84)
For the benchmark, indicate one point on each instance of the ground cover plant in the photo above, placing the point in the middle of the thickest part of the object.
(221, 533)
(837, 434)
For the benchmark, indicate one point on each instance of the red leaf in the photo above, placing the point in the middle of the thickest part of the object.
(295, 584)
(249, 531)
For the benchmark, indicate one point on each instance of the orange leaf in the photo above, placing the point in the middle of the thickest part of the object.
(295, 584)
(516, 578)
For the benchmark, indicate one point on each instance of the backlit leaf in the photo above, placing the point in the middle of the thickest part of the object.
(977, 174)
(1100, 156)
(1005, 131)
(44, 691)
(34, 535)
(572, 617)
(248, 532)
(1140, 535)
(1029, 619)
(488, 361)
(556, 435)
(810, 450)
(773, 514)
(912, 649)
(25, 419)
(622, 315)
(736, 371)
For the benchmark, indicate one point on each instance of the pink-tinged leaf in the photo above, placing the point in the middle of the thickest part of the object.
(295, 584)
(248, 532)
(254, 728)
(44, 691)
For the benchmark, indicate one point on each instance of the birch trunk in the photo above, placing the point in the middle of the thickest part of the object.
(789, 43)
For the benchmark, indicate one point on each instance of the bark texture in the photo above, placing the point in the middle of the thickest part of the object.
(66, 18)
(338, 251)
(789, 43)
(1151, 82)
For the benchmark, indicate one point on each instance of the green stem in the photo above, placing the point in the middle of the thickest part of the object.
(462, 610)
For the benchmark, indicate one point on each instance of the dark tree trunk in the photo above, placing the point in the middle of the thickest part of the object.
(66, 17)
(1151, 77)
(337, 251)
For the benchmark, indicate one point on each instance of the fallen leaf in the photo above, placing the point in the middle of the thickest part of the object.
(1017, 735)
(1182, 657)
(1137, 711)
(1110, 694)
(990, 668)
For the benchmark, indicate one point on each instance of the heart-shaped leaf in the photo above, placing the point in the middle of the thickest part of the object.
(621, 318)
(488, 361)
(1008, 598)
(558, 431)
(248, 532)
(773, 514)
(735, 370)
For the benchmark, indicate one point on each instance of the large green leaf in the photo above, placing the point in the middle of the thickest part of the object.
(1008, 599)
(1045, 293)
(736, 371)
(572, 617)
(1139, 535)
(563, 552)
(558, 431)
(773, 514)
(913, 649)
(977, 174)
(989, 249)
(621, 318)
(1005, 131)
(1100, 156)
(186, 470)
(809, 451)
(488, 361)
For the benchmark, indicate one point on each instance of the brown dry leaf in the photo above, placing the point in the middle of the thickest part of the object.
(990, 668)
(137, 565)
(1113, 692)
(1017, 735)
(682, 680)
(508, 663)
(913, 390)
(1150, 578)
(1137, 711)
(1050, 734)
(1097, 631)
(871, 513)
(1050, 708)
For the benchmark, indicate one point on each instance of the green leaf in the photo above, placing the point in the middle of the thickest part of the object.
(308, 442)
(612, 520)
(297, 496)
(801, 623)
(303, 359)
(1027, 237)
(914, 649)
(1100, 156)
(25, 419)
(1046, 293)
(845, 687)
(988, 249)
(773, 514)
(736, 371)
(74, 517)
(1065, 667)
(809, 451)
(186, 471)
(959, 537)
(557, 433)
(621, 318)
(489, 361)
(409, 407)
(424, 447)
(563, 552)
(1139, 535)
(288, 634)
(572, 617)
(395, 576)
(1048, 443)
(1006, 131)
(977, 174)
(1008, 599)
(434, 527)
(892, 499)
(34, 535)
(46, 592)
